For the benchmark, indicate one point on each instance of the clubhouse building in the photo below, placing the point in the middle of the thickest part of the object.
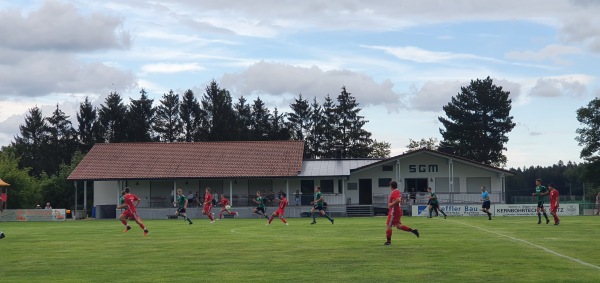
(238, 169)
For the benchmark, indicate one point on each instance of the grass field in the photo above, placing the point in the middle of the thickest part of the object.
(459, 249)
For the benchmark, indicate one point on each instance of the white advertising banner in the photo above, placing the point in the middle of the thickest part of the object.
(450, 210)
(569, 209)
(33, 215)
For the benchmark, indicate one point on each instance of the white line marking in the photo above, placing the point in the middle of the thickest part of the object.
(532, 244)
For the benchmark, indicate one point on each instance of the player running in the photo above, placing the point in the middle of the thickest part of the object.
(554, 199)
(485, 207)
(225, 203)
(318, 205)
(130, 202)
(208, 205)
(283, 203)
(261, 205)
(395, 214)
(434, 205)
(182, 203)
(540, 192)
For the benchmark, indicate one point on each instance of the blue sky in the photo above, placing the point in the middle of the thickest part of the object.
(402, 60)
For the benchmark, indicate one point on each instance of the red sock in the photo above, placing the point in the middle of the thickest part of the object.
(221, 215)
(210, 217)
(405, 228)
(142, 226)
(555, 218)
(283, 219)
(270, 219)
(124, 222)
(388, 234)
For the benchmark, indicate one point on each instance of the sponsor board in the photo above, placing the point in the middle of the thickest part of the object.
(33, 215)
(450, 210)
(530, 209)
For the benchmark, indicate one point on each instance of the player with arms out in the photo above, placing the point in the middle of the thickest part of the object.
(318, 205)
(554, 200)
(485, 207)
(540, 192)
(261, 206)
(226, 206)
(434, 205)
(208, 205)
(283, 203)
(130, 202)
(182, 203)
(395, 214)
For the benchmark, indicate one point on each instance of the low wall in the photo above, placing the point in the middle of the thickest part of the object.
(33, 215)
(570, 209)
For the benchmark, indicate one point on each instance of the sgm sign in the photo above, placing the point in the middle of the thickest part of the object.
(422, 168)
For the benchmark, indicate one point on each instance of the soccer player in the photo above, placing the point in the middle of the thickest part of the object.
(130, 202)
(554, 199)
(434, 204)
(598, 204)
(2, 235)
(395, 213)
(540, 192)
(261, 205)
(208, 205)
(318, 205)
(283, 203)
(485, 207)
(224, 203)
(182, 203)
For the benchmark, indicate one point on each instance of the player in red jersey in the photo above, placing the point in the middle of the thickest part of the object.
(554, 199)
(395, 213)
(283, 203)
(131, 201)
(224, 203)
(208, 205)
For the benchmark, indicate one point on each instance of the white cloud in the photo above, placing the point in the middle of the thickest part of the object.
(553, 52)
(283, 79)
(170, 68)
(419, 55)
(559, 86)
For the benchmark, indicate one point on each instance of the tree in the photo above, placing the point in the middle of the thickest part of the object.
(431, 143)
(279, 129)
(191, 118)
(355, 140)
(141, 116)
(380, 149)
(167, 125)
(315, 136)
(478, 123)
(24, 191)
(243, 118)
(261, 126)
(299, 118)
(589, 134)
(31, 143)
(112, 119)
(330, 148)
(62, 141)
(89, 129)
(220, 118)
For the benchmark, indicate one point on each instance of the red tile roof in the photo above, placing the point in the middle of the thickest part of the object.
(119, 161)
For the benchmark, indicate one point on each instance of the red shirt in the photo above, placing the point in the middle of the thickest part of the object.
(129, 200)
(283, 202)
(395, 210)
(208, 199)
(553, 197)
(224, 202)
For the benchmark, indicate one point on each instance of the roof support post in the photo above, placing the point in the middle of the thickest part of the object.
(74, 211)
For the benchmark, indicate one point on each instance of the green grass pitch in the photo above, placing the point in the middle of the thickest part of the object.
(458, 249)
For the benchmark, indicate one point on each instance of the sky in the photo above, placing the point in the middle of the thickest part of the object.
(401, 60)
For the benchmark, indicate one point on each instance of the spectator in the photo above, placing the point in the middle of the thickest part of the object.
(271, 197)
(48, 206)
(297, 197)
(190, 198)
(38, 207)
(413, 195)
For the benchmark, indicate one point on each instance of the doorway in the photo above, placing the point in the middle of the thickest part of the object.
(365, 191)
(307, 187)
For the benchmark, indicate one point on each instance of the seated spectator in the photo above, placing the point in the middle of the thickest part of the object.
(48, 206)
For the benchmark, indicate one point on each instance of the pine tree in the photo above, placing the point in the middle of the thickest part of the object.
(220, 118)
(355, 140)
(141, 116)
(243, 116)
(191, 118)
(478, 123)
(112, 117)
(167, 124)
(331, 147)
(31, 143)
(261, 127)
(89, 129)
(279, 130)
(299, 118)
(315, 136)
(62, 141)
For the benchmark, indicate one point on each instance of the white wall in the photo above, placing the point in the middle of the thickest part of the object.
(106, 192)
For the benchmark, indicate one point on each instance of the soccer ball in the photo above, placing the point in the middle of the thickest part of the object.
(228, 207)
(2, 235)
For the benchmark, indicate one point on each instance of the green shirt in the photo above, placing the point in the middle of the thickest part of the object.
(181, 200)
(121, 201)
(433, 198)
(539, 190)
(318, 196)
(260, 201)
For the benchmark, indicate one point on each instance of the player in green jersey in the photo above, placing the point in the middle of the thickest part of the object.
(318, 205)
(260, 209)
(433, 204)
(540, 192)
(182, 203)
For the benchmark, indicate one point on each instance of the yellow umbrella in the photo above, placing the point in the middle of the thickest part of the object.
(4, 184)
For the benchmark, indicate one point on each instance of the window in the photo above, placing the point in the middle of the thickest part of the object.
(384, 182)
(327, 186)
(387, 168)
(340, 187)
